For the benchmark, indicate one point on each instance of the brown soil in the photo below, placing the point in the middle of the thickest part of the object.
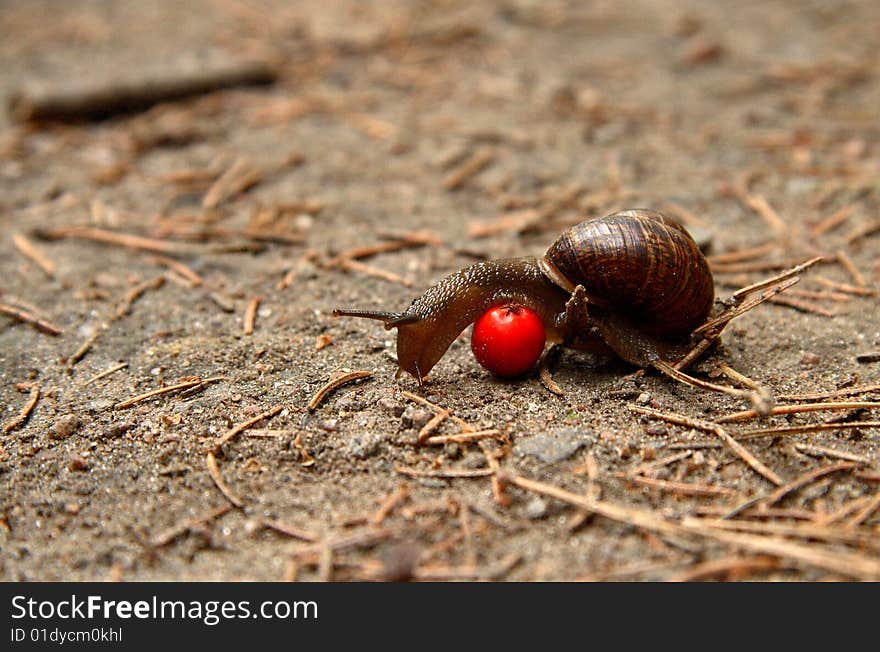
(577, 109)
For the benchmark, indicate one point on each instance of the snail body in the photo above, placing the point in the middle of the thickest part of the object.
(632, 283)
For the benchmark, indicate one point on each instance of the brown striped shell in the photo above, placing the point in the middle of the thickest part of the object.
(638, 263)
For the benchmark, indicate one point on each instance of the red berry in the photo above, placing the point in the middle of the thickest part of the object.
(508, 340)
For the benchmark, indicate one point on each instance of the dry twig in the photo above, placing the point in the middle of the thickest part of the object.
(716, 429)
(250, 315)
(214, 471)
(29, 318)
(25, 411)
(335, 383)
(179, 387)
(169, 535)
(236, 430)
(28, 249)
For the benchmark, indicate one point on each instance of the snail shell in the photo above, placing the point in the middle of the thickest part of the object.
(638, 262)
(633, 283)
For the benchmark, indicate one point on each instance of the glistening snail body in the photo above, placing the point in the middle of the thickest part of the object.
(633, 283)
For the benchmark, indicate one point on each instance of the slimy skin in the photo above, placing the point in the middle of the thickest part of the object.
(433, 321)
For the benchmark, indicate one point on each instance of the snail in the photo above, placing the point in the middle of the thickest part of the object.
(632, 284)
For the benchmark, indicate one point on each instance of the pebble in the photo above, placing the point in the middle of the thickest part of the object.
(364, 444)
(65, 426)
(117, 430)
(536, 508)
(391, 406)
(656, 429)
(415, 417)
(78, 463)
(100, 405)
(349, 403)
(556, 445)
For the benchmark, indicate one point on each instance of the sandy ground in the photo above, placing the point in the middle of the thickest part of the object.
(753, 125)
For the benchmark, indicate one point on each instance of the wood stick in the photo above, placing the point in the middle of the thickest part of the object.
(366, 537)
(250, 315)
(335, 383)
(834, 220)
(683, 488)
(846, 288)
(806, 479)
(29, 318)
(451, 473)
(290, 530)
(169, 535)
(795, 530)
(214, 471)
(165, 390)
(388, 505)
(28, 249)
(714, 428)
(850, 267)
(243, 174)
(808, 427)
(268, 414)
(865, 513)
(135, 293)
(395, 242)
(847, 563)
(127, 240)
(739, 255)
(796, 409)
(104, 97)
(84, 348)
(106, 372)
(824, 451)
(762, 207)
(370, 270)
(25, 412)
(837, 393)
(721, 568)
(802, 306)
(185, 271)
(479, 160)
(461, 437)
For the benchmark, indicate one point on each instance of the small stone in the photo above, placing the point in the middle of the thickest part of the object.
(349, 403)
(100, 405)
(536, 508)
(117, 430)
(78, 463)
(364, 445)
(644, 398)
(415, 417)
(252, 527)
(656, 429)
(389, 405)
(65, 426)
(556, 445)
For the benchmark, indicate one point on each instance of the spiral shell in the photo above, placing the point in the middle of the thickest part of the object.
(640, 264)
